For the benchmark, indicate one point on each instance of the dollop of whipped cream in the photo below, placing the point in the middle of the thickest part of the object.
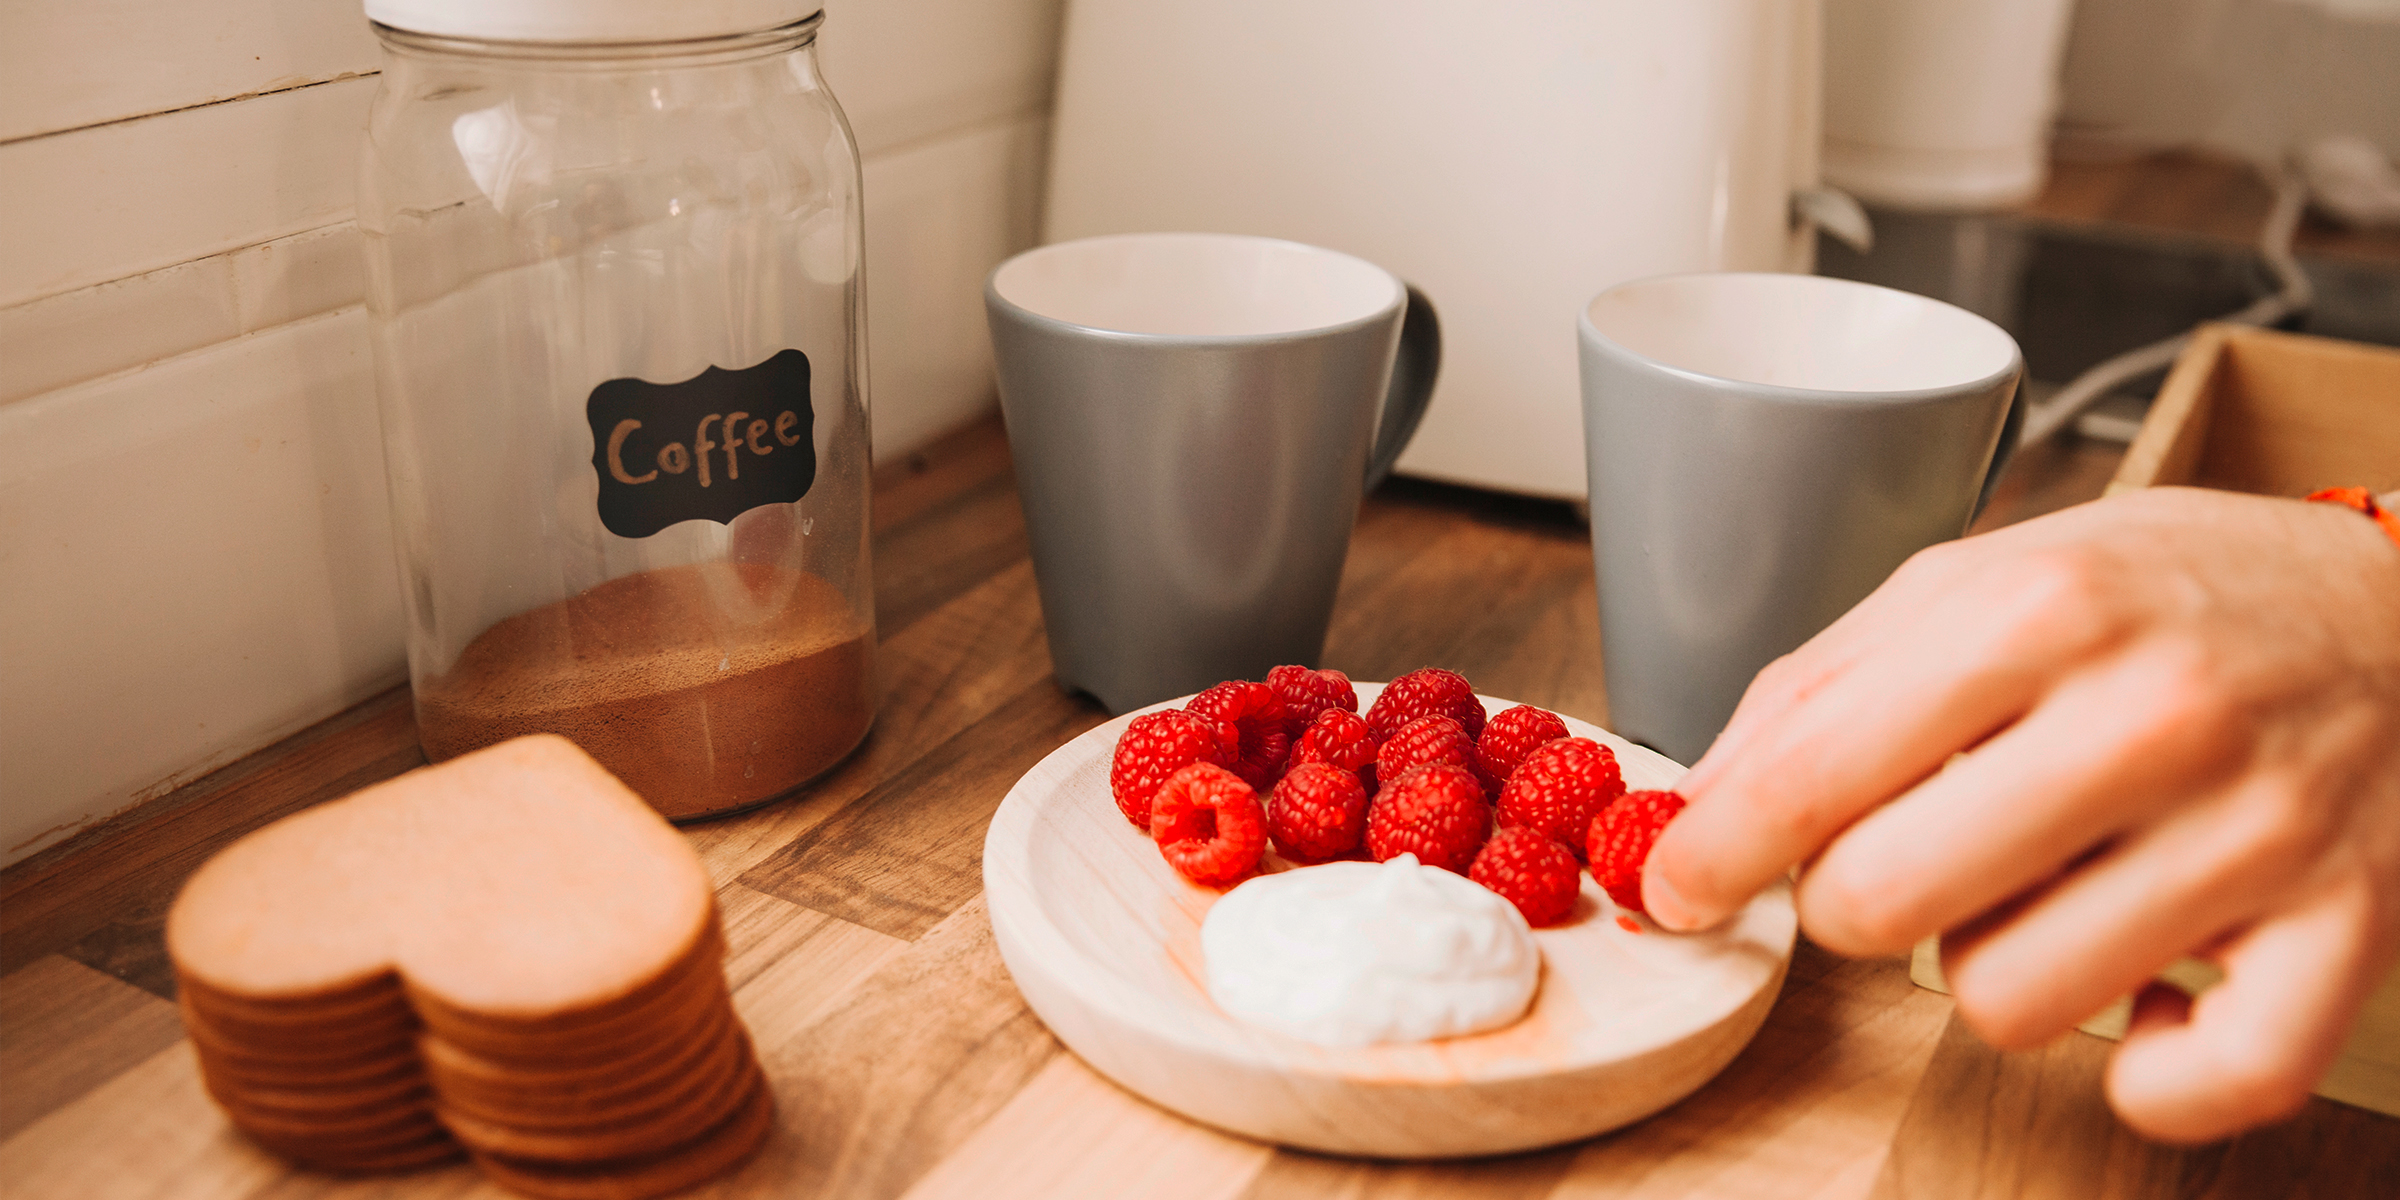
(1355, 953)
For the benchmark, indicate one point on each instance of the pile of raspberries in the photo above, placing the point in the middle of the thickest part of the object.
(1421, 773)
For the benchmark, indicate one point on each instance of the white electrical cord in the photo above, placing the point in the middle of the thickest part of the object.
(2292, 295)
(2351, 181)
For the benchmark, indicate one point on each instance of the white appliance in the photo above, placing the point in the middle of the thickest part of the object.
(1511, 160)
(1942, 104)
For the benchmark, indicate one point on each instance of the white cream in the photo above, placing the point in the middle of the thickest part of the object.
(1355, 953)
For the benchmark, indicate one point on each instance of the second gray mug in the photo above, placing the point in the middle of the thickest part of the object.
(1763, 451)
(1194, 418)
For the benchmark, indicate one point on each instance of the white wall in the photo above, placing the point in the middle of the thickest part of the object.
(2251, 77)
(195, 557)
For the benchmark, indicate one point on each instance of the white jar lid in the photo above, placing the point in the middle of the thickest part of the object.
(588, 20)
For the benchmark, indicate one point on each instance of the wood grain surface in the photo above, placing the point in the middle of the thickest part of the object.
(1104, 940)
(905, 1061)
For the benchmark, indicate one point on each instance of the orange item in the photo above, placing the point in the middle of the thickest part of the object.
(2363, 501)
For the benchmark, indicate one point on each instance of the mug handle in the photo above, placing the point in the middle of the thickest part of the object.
(1413, 372)
(2012, 426)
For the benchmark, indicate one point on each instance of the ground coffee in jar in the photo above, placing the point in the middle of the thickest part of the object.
(643, 673)
(613, 291)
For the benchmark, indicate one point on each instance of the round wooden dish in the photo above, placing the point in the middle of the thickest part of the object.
(1104, 940)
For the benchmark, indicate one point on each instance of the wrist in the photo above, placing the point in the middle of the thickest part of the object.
(2383, 510)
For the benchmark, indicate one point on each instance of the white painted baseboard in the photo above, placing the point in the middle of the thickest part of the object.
(199, 561)
(92, 61)
(940, 216)
(101, 204)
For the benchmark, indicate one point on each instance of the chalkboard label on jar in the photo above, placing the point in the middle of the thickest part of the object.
(711, 448)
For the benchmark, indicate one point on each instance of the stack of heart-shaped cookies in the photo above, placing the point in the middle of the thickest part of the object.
(330, 1079)
(508, 955)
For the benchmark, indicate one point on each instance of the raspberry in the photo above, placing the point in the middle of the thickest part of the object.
(1537, 874)
(1155, 746)
(1435, 812)
(1318, 811)
(1256, 716)
(1209, 825)
(1621, 839)
(1560, 787)
(1426, 692)
(1425, 740)
(1340, 738)
(1306, 693)
(1509, 737)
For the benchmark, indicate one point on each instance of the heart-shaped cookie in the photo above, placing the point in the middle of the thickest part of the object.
(517, 918)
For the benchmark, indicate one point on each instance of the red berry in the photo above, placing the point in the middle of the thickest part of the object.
(1509, 737)
(1536, 873)
(1155, 746)
(1560, 787)
(1340, 738)
(1426, 692)
(1256, 715)
(1435, 812)
(1318, 811)
(1621, 839)
(1209, 825)
(1425, 740)
(1306, 693)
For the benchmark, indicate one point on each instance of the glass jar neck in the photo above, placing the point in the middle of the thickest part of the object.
(707, 51)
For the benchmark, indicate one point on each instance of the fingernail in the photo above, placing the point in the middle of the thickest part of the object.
(1667, 906)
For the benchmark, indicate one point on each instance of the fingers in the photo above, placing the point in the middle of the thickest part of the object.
(1930, 577)
(2112, 923)
(2250, 1049)
(1887, 715)
(2105, 752)
(1795, 677)
(2157, 1006)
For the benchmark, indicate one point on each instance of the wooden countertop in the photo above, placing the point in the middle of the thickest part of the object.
(905, 1061)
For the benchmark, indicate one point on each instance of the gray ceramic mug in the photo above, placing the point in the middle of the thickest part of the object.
(1764, 450)
(1194, 418)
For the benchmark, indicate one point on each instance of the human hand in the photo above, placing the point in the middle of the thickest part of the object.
(2176, 716)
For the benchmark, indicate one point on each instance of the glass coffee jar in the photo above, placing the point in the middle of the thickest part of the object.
(613, 257)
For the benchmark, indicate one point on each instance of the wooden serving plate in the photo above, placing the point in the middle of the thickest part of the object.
(1104, 940)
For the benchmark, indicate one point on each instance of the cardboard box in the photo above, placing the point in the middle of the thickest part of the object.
(2278, 414)
(2367, 1074)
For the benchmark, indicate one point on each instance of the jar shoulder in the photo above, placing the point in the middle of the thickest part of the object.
(521, 143)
